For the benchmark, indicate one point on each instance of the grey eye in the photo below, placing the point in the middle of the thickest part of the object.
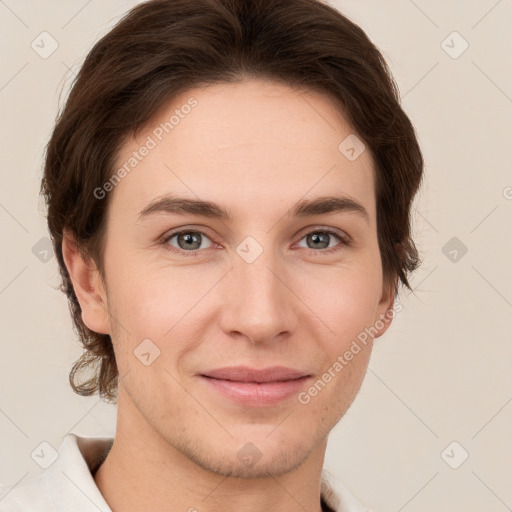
(188, 240)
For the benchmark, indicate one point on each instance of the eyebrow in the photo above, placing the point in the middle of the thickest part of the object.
(306, 208)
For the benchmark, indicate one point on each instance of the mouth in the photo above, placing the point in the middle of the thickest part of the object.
(255, 381)
(255, 375)
(256, 393)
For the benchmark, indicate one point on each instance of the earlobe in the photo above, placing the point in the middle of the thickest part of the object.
(385, 311)
(87, 285)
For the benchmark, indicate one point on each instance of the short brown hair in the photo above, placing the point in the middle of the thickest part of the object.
(161, 48)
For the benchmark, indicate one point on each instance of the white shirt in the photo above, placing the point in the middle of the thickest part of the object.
(67, 485)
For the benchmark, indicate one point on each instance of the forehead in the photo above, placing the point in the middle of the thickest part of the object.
(252, 142)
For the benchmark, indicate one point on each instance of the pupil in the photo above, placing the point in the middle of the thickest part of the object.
(189, 238)
(316, 238)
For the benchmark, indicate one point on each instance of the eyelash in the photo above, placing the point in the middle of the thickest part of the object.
(345, 241)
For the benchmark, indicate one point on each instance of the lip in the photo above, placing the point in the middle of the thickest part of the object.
(253, 387)
(256, 394)
(248, 374)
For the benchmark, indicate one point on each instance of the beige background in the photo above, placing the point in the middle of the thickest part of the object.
(442, 372)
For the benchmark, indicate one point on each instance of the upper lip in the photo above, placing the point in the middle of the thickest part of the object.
(247, 374)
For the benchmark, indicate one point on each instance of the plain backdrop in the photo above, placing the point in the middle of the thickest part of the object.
(431, 427)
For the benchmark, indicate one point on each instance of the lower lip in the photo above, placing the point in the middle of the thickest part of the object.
(252, 393)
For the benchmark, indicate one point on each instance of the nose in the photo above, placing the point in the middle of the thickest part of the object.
(258, 300)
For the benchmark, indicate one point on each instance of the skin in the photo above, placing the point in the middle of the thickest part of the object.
(256, 148)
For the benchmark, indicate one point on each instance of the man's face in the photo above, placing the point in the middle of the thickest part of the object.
(261, 289)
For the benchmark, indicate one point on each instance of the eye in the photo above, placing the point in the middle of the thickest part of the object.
(320, 240)
(188, 241)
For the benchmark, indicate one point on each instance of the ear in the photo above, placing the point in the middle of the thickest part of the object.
(88, 286)
(385, 309)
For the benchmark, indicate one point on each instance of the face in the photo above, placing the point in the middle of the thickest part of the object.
(189, 291)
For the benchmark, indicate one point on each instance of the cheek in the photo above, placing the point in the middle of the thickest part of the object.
(162, 305)
(345, 302)
(345, 306)
(139, 293)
